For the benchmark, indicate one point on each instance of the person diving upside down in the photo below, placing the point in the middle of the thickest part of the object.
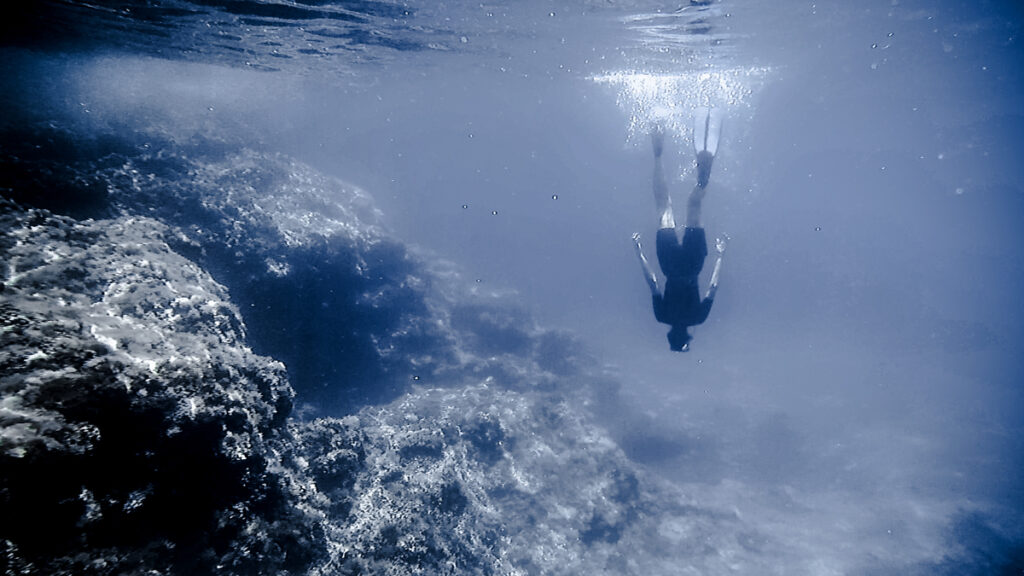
(680, 305)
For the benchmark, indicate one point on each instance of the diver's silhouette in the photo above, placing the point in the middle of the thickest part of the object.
(680, 306)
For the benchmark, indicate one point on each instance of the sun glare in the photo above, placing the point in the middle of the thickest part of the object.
(669, 100)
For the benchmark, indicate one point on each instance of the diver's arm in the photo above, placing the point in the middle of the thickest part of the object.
(713, 288)
(709, 298)
(720, 245)
(705, 307)
(652, 280)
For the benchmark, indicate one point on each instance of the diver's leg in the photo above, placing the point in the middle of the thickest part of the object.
(704, 161)
(662, 200)
(706, 143)
(693, 206)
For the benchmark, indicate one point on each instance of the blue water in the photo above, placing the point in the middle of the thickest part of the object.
(856, 391)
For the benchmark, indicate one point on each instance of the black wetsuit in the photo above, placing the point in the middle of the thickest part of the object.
(681, 305)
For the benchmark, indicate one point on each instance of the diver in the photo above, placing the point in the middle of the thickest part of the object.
(680, 306)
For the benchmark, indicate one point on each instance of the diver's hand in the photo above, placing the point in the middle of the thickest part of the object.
(721, 243)
(636, 241)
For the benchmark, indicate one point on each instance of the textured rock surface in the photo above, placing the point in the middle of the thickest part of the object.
(483, 480)
(323, 288)
(141, 434)
(136, 427)
(354, 314)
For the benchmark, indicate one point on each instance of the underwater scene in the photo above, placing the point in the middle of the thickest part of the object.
(511, 288)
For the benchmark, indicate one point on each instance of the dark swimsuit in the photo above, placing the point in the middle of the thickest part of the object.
(681, 262)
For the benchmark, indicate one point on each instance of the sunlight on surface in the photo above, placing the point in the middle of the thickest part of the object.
(670, 99)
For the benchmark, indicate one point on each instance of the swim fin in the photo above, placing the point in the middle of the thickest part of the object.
(707, 128)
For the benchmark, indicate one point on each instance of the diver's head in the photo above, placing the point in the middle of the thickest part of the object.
(679, 339)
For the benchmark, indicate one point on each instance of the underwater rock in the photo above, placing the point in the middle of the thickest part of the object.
(137, 429)
(141, 432)
(483, 480)
(356, 315)
(322, 287)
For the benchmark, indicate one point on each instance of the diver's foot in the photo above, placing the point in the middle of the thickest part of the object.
(704, 161)
(657, 140)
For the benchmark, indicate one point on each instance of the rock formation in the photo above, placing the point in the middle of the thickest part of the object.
(440, 430)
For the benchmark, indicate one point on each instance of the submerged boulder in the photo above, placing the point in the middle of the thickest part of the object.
(355, 314)
(147, 423)
(484, 480)
(321, 284)
(137, 429)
